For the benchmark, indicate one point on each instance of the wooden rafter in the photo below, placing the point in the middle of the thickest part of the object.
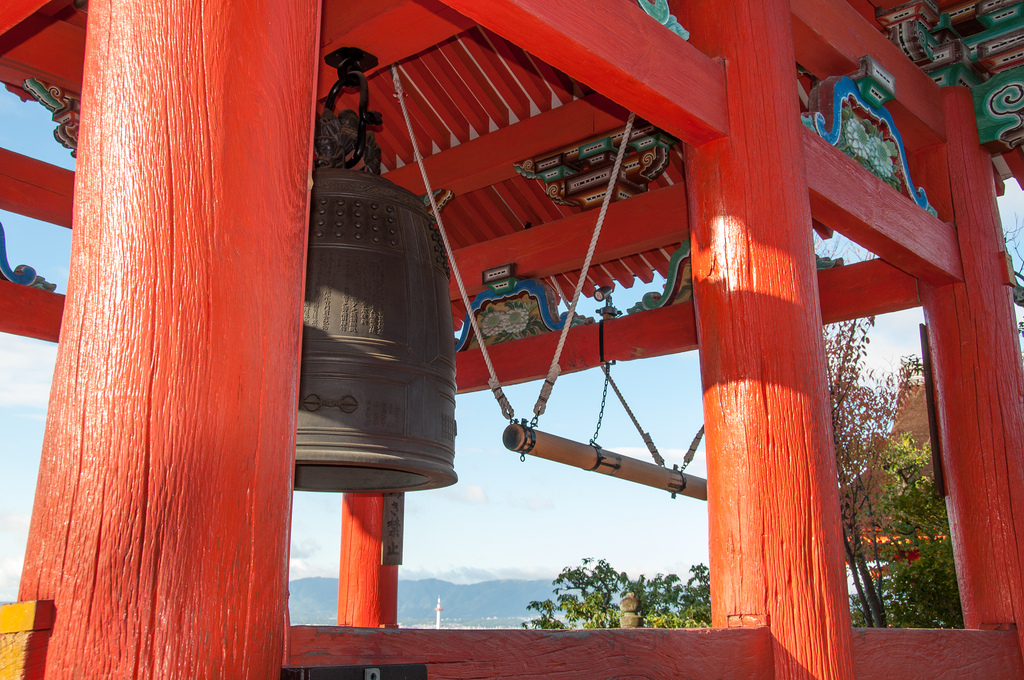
(14, 12)
(36, 189)
(671, 83)
(30, 312)
(558, 247)
(848, 292)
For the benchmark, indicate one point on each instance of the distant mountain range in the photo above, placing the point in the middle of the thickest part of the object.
(489, 604)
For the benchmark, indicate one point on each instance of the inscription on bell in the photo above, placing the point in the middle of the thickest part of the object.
(314, 402)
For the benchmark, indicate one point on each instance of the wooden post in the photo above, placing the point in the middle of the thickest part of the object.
(367, 589)
(160, 526)
(980, 386)
(776, 555)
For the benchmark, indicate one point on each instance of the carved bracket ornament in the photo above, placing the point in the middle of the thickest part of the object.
(842, 116)
(578, 175)
(64, 107)
(527, 309)
(659, 10)
(979, 45)
(22, 274)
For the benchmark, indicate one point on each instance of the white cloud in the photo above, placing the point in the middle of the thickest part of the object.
(14, 522)
(534, 502)
(26, 369)
(302, 568)
(472, 494)
(305, 549)
(464, 575)
(10, 576)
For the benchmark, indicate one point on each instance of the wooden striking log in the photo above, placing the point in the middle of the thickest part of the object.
(980, 386)
(367, 590)
(36, 189)
(866, 210)
(160, 524)
(671, 85)
(775, 539)
(527, 440)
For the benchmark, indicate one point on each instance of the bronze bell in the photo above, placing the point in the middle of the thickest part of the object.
(377, 381)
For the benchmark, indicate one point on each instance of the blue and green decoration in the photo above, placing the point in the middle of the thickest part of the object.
(659, 11)
(850, 116)
(511, 309)
(22, 274)
(979, 45)
(678, 283)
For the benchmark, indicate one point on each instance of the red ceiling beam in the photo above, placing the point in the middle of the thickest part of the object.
(391, 30)
(615, 48)
(488, 159)
(852, 291)
(30, 312)
(36, 189)
(561, 246)
(50, 50)
(13, 12)
(849, 199)
(830, 37)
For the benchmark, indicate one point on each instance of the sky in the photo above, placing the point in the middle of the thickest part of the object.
(504, 518)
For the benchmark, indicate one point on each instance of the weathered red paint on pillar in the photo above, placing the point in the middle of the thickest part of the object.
(367, 590)
(980, 388)
(775, 538)
(160, 525)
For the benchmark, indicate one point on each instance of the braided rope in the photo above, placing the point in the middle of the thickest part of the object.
(493, 383)
(646, 436)
(555, 370)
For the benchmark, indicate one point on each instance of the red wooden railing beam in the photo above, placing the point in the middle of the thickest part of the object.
(735, 654)
(848, 292)
(488, 159)
(615, 48)
(561, 246)
(162, 508)
(831, 36)
(50, 50)
(367, 589)
(30, 312)
(849, 199)
(36, 189)
(979, 389)
(391, 30)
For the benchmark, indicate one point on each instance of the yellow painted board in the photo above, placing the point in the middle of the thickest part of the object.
(22, 617)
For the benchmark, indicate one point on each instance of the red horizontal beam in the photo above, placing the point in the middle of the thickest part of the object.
(13, 12)
(488, 159)
(636, 225)
(36, 189)
(391, 30)
(723, 653)
(50, 50)
(616, 49)
(851, 291)
(830, 37)
(30, 312)
(849, 199)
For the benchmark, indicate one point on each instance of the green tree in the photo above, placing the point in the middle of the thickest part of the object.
(895, 528)
(588, 596)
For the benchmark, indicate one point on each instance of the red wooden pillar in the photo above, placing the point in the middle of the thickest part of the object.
(980, 388)
(367, 589)
(776, 556)
(160, 525)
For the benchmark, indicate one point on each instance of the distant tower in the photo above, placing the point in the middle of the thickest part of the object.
(438, 609)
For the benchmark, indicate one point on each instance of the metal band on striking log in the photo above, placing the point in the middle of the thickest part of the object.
(524, 439)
